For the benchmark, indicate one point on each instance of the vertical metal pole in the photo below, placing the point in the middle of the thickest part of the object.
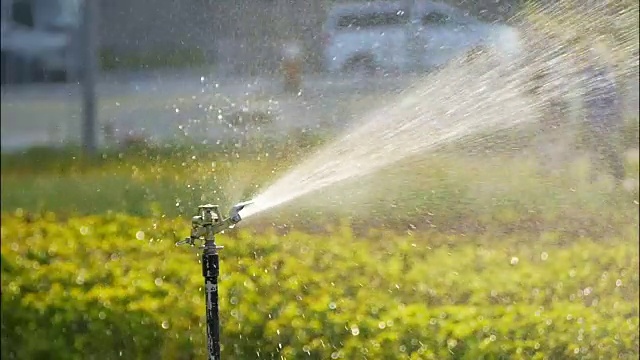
(210, 271)
(412, 49)
(89, 74)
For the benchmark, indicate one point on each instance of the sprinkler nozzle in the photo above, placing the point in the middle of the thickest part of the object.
(234, 214)
(209, 222)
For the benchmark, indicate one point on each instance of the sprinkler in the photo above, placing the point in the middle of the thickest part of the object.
(204, 226)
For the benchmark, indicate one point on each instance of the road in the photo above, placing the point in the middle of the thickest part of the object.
(164, 106)
(170, 106)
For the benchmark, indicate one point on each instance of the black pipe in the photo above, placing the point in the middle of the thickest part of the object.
(210, 272)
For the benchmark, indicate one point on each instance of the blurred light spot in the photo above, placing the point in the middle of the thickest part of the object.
(355, 330)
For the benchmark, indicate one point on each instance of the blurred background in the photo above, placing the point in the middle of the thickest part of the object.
(154, 62)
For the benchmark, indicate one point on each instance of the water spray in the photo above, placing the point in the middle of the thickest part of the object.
(204, 226)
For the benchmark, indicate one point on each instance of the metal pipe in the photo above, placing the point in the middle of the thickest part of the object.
(210, 271)
(89, 75)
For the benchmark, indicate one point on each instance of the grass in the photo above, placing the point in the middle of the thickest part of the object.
(138, 178)
(450, 191)
(153, 59)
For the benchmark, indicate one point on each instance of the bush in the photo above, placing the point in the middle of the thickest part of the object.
(153, 59)
(116, 287)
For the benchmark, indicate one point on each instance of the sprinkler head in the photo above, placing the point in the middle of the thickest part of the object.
(234, 214)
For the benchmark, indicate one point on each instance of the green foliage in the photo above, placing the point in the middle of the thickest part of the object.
(116, 287)
(153, 59)
(151, 181)
(497, 259)
(451, 192)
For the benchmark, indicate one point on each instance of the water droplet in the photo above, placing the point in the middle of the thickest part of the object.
(332, 305)
(165, 325)
(158, 282)
(514, 260)
(355, 330)
(544, 256)
(140, 235)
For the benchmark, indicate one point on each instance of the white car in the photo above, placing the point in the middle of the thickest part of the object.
(385, 35)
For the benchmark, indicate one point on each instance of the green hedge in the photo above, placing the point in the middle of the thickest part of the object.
(152, 59)
(116, 287)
